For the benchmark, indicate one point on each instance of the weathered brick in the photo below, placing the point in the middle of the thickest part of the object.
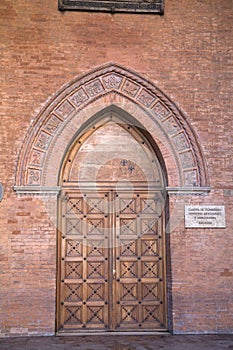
(187, 53)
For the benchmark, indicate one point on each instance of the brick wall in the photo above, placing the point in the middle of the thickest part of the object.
(187, 53)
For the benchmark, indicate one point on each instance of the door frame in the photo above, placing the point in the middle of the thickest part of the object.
(142, 136)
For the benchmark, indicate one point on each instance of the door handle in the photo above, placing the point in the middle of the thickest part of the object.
(114, 274)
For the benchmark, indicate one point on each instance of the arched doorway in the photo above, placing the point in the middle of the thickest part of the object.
(111, 259)
(42, 170)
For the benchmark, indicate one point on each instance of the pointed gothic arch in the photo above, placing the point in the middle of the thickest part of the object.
(111, 236)
(128, 128)
(110, 86)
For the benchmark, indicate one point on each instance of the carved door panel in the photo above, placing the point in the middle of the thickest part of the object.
(112, 262)
(84, 293)
(139, 265)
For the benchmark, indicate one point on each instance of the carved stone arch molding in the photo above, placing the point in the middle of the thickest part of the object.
(110, 87)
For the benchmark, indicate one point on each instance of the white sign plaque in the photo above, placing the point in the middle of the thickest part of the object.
(205, 216)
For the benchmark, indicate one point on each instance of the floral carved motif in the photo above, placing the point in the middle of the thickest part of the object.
(79, 97)
(94, 88)
(171, 125)
(34, 177)
(112, 81)
(52, 124)
(187, 160)
(37, 158)
(145, 98)
(130, 88)
(181, 142)
(160, 110)
(190, 178)
(65, 109)
(43, 140)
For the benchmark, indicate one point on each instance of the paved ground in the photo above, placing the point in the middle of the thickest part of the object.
(109, 342)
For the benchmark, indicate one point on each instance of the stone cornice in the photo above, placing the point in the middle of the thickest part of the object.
(40, 190)
(188, 191)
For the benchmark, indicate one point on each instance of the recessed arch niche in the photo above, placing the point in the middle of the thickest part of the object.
(93, 154)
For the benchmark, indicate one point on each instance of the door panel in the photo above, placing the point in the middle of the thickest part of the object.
(111, 261)
(84, 292)
(139, 265)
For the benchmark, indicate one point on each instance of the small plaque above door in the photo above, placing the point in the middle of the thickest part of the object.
(134, 6)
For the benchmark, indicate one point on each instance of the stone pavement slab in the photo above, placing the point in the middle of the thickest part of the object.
(118, 342)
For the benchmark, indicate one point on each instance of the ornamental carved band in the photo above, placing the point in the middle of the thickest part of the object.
(134, 6)
(102, 87)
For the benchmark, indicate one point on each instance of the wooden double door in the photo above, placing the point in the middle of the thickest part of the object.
(111, 273)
